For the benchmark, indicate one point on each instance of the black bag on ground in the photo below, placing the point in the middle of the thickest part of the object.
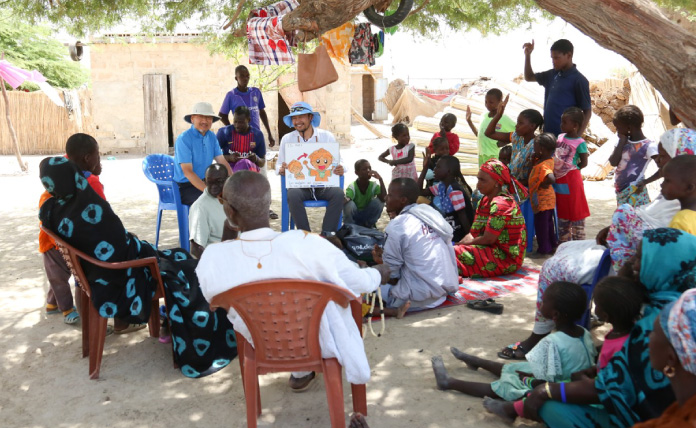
(358, 241)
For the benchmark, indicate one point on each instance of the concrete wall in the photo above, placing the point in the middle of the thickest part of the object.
(117, 83)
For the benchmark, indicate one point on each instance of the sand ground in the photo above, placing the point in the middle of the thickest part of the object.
(45, 381)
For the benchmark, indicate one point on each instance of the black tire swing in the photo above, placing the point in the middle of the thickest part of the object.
(386, 21)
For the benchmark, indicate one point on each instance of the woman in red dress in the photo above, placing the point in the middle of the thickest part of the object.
(498, 237)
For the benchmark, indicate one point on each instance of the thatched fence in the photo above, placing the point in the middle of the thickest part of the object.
(41, 126)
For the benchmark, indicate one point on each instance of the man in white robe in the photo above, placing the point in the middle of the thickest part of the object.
(261, 253)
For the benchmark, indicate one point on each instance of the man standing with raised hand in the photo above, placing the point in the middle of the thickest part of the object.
(565, 85)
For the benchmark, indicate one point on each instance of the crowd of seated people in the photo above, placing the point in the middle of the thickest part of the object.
(440, 230)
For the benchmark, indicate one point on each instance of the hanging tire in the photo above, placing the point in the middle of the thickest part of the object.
(386, 21)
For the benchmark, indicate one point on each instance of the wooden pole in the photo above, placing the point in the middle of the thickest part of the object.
(367, 124)
(22, 164)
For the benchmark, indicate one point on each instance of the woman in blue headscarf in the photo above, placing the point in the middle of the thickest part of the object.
(628, 389)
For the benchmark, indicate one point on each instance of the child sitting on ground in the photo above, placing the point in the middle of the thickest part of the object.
(364, 197)
(488, 147)
(453, 196)
(82, 149)
(440, 149)
(402, 154)
(541, 193)
(571, 346)
(570, 157)
(680, 183)
(427, 174)
(631, 156)
(447, 123)
(618, 301)
(505, 155)
(419, 252)
(528, 121)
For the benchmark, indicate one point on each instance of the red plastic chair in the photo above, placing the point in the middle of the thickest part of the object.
(283, 317)
(93, 324)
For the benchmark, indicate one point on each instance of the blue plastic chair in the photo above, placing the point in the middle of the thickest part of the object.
(528, 215)
(601, 272)
(159, 168)
(286, 221)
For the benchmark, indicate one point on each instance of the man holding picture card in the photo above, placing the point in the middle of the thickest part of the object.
(310, 160)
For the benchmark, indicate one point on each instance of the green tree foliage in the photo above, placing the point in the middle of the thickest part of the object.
(32, 48)
(80, 17)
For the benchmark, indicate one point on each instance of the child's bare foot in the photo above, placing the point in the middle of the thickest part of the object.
(440, 371)
(504, 409)
(357, 420)
(402, 310)
(470, 361)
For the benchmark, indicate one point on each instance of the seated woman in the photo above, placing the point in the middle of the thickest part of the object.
(203, 340)
(498, 238)
(628, 390)
(577, 261)
(672, 352)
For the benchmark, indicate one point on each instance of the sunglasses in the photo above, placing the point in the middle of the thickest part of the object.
(298, 109)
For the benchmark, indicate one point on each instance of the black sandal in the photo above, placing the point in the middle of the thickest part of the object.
(512, 352)
(488, 305)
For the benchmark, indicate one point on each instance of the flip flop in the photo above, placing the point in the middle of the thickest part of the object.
(130, 329)
(513, 356)
(488, 305)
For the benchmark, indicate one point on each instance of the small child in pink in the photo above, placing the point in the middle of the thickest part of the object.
(618, 301)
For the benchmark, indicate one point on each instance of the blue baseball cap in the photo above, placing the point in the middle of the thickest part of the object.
(300, 108)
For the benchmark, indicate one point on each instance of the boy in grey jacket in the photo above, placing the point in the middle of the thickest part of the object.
(419, 252)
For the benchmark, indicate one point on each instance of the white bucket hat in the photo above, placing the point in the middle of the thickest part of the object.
(202, 109)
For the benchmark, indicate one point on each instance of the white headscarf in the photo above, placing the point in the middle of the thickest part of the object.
(679, 141)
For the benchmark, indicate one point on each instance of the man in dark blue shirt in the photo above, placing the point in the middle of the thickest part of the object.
(565, 85)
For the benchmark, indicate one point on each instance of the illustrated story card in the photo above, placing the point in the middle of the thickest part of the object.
(311, 165)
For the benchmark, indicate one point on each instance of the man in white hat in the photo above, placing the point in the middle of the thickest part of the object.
(194, 150)
(306, 122)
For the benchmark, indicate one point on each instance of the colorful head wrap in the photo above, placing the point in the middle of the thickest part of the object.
(501, 174)
(679, 141)
(678, 320)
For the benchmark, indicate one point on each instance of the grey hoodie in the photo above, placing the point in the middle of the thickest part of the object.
(419, 252)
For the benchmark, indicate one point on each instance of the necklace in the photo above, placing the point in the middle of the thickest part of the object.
(258, 259)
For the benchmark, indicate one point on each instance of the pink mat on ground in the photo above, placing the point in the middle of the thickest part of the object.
(525, 280)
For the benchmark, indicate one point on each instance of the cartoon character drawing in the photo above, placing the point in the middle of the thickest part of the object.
(295, 168)
(320, 165)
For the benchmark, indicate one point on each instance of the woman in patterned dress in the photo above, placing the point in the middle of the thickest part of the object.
(498, 238)
(204, 341)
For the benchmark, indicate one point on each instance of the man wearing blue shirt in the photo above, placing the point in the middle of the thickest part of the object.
(194, 150)
(250, 98)
(565, 85)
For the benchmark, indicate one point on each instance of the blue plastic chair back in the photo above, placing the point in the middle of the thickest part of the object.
(159, 168)
(601, 272)
(528, 215)
(286, 221)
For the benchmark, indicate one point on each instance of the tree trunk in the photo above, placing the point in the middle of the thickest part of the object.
(22, 165)
(663, 51)
(315, 17)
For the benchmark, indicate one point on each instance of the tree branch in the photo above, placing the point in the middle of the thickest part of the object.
(662, 50)
(419, 8)
(236, 15)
